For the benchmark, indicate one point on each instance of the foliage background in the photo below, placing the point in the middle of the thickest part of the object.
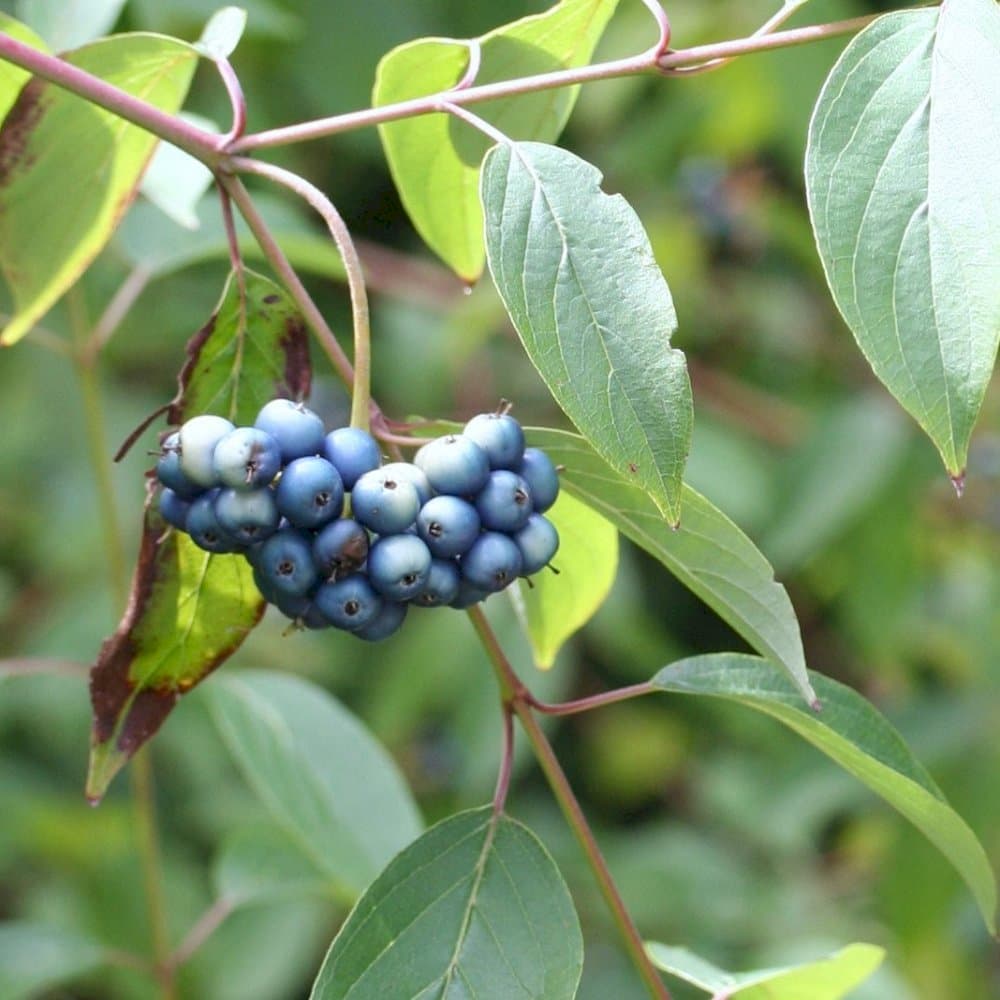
(726, 833)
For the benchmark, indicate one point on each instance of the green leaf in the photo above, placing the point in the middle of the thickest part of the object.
(326, 781)
(35, 958)
(222, 33)
(13, 78)
(829, 978)
(577, 275)
(707, 553)
(175, 181)
(257, 863)
(554, 607)
(66, 25)
(851, 732)
(901, 176)
(435, 159)
(249, 352)
(476, 907)
(52, 141)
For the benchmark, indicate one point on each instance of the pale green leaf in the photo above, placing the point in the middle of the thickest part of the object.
(327, 782)
(13, 78)
(707, 553)
(222, 33)
(578, 277)
(435, 159)
(52, 141)
(829, 978)
(901, 176)
(475, 907)
(65, 24)
(554, 606)
(851, 732)
(35, 958)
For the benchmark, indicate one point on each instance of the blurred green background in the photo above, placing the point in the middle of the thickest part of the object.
(726, 833)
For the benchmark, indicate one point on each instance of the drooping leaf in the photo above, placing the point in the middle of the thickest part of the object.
(435, 159)
(707, 553)
(901, 177)
(189, 610)
(13, 78)
(852, 732)
(249, 352)
(222, 33)
(554, 607)
(54, 142)
(476, 907)
(175, 181)
(66, 25)
(829, 978)
(35, 958)
(326, 781)
(577, 275)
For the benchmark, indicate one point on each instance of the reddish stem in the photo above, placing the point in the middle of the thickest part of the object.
(593, 701)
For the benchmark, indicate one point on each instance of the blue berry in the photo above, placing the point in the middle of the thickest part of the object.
(353, 452)
(248, 515)
(443, 584)
(411, 474)
(454, 464)
(298, 431)
(198, 438)
(204, 528)
(174, 509)
(538, 541)
(350, 603)
(384, 502)
(493, 562)
(286, 564)
(398, 566)
(448, 525)
(385, 623)
(310, 492)
(504, 503)
(340, 547)
(246, 458)
(500, 436)
(467, 595)
(169, 472)
(302, 610)
(540, 474)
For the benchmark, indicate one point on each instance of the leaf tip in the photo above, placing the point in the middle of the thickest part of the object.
(816, 705)
(106, 761)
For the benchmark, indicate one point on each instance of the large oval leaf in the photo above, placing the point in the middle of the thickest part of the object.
(13, 78)
(52, 143)
(552, 606)
(36, 958)
(476, 907)
(852, 732)
(435, 159)
(325, 779)
(577, 274)
(707, 553)
(901, 175)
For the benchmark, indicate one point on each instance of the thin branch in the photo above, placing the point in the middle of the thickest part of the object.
(663, 23)
(233, 242)
(204, 927)
(236, 100)
(593, 701)
(22, 666)
(506, 760)
(116, 310)
(361, 395)
(476, 122)
(475, 62)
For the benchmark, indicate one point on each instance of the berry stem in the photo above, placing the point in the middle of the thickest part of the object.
(233, 240)
(361, 395)
(506, 760)
(518, 700)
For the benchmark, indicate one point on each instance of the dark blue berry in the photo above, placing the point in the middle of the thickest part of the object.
(443, 584)
(540, 474)
(468, 594)
(411, 474)
(285, 562)
(500, 436)
(340, 547)
(310, 492)
(246, 458)
(169, 472)
(353, 452)
(298, 431)
(384, 502)
(448, 525)
(387, 621)
(302, 610)
(454, 464)
(493, 562)
(204, 528)
(248, 515)
(538, 541)
(198, 438)
(504, 503)
(350, 603)
(173, 509)
(398, 566)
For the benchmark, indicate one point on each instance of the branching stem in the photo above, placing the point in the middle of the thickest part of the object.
(594, 701)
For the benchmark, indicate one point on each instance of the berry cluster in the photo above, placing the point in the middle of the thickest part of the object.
(460, 523)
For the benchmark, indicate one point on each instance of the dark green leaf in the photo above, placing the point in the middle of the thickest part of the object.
(707, 553)
(326, 781)
(476, 907)
(435, 159)
(52, 141)
(852, 732)
(577, 274)
(35, 958)
(901, 175)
